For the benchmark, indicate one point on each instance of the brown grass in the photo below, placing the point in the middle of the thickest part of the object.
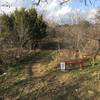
(47, 82)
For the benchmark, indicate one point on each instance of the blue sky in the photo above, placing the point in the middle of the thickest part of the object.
(80, 5)
(55, 12)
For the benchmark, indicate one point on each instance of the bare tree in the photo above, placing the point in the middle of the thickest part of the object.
(66, 1)
(98, 16)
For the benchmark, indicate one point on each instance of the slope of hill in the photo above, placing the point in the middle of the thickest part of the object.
(39, 78)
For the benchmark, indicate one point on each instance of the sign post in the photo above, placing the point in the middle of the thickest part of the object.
(62, 66)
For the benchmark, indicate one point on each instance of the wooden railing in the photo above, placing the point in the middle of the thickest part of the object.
(72, 64)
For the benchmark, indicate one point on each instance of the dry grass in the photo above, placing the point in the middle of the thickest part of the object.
(44, 81)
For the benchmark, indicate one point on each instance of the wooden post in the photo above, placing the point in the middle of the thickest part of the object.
(81, 65)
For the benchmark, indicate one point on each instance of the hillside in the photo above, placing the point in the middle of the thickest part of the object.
(38, 77)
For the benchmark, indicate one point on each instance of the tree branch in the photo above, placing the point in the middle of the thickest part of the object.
(65, 1)
(37, 3)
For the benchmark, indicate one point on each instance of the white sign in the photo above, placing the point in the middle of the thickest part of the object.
(62, 66)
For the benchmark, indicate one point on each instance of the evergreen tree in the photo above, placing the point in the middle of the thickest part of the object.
(24, 26)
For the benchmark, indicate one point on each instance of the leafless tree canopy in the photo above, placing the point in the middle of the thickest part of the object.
(66, 1)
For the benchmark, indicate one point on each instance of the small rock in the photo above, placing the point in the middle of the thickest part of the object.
(76, 90)
(4, 73)
(94, 73)
(91, 92)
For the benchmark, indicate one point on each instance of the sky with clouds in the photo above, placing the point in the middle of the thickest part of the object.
(62, 14)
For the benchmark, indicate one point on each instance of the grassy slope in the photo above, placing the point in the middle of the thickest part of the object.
(38, 78)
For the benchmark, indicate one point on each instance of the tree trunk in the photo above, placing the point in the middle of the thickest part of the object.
(35, 45)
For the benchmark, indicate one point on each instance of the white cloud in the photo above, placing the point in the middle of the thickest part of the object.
(52, 11)
(8, 6)
(64, 10)
(65, 14)
(7, 10)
